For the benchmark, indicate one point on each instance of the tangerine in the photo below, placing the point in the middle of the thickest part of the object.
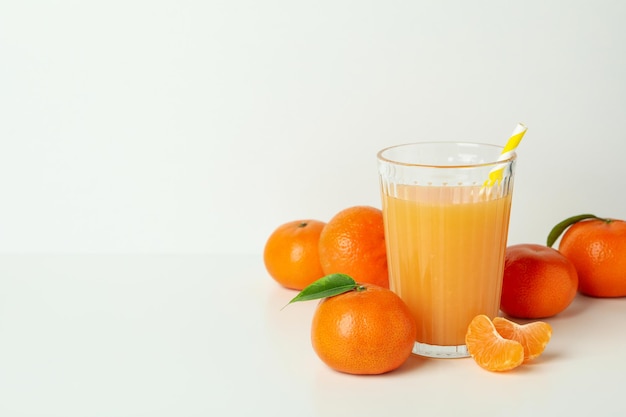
(532, 336)
(353, 243)
(489, 349)
(597, 248)
(368, 330)
(291, 253)
(538, 281)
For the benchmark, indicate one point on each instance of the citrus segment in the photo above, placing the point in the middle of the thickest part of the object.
(532, 336)
(490, 350)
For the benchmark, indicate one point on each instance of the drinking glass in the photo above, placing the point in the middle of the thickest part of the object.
(446, 235)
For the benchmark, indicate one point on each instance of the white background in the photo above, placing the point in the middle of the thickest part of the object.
(200, 126)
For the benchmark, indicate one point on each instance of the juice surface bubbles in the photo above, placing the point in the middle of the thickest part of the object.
(446, 247)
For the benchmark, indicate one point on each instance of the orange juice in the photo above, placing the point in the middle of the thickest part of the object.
(445, 248)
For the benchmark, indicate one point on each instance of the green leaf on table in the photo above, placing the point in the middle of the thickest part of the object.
(328, 286)
(560, 227)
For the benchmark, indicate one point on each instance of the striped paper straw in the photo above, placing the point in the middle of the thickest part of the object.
(495, 175)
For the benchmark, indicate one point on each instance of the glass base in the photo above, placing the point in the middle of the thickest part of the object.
(434, 351)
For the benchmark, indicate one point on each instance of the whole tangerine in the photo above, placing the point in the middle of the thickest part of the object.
(597, 248)
(353, 243)
(538, 281)
(365, 331)
(291, 253)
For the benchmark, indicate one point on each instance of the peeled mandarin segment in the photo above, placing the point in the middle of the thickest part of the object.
(532, 336)
(490, 350)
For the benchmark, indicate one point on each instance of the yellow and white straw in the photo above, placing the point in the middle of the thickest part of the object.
(495, 175)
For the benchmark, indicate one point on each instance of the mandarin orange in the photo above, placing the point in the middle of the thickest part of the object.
(353, 243)
(538, 282)
(291, 253)
(368, 330)
(597, 248)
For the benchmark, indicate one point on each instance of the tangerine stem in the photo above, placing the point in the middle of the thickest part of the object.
(560, 227)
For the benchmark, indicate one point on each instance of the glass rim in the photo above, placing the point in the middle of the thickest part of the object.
(381, 158)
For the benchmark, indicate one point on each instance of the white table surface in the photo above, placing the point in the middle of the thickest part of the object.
(202, 335)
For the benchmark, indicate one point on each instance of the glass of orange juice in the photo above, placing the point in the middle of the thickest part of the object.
(446, 235)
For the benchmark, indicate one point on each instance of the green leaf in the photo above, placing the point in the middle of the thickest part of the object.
(560, 228)
(328, 286)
